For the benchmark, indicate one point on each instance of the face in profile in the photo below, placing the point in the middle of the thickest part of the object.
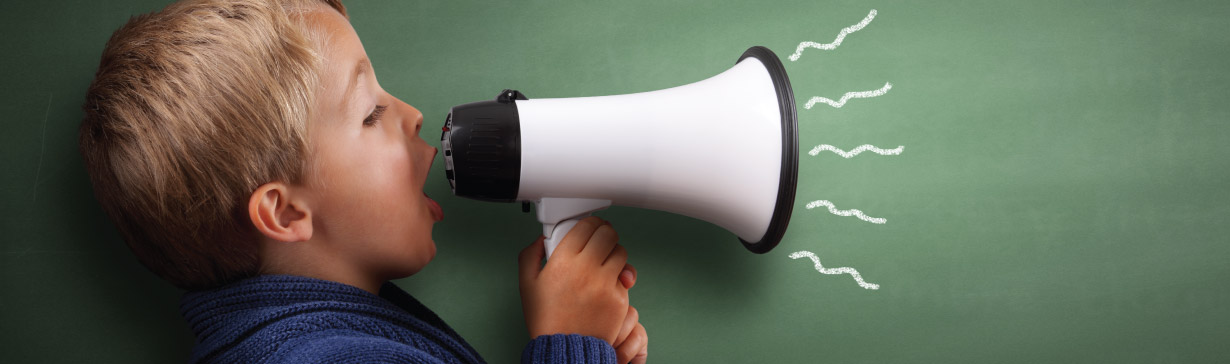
(367, 164)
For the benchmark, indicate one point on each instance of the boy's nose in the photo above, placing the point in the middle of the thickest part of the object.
(413, 117)
(416, 119)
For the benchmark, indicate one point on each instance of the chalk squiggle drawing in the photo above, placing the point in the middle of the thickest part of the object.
(849, 95)
(851, 212)
(798, 52)
(856, 151)
(858, 278)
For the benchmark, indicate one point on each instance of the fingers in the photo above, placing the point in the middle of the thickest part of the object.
(530, 260)
(615, 265)
(579, 236)
(602, 246)
(636, 348)
(642, 356)
(630, 321)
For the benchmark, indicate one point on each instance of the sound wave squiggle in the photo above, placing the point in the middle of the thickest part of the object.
(798, 52)
(851, 212)
(856, 151)
(849, 95)
(843, 270)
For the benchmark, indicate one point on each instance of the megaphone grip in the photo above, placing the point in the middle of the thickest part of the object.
(559, 215)
(558, 232)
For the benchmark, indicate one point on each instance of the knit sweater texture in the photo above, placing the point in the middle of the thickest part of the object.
(292, 319)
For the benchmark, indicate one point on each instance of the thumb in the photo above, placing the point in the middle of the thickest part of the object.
(530, 260)
(627, 277)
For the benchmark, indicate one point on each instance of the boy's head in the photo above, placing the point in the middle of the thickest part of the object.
(230, 138)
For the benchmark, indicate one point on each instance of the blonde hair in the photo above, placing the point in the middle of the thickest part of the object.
(192, 108)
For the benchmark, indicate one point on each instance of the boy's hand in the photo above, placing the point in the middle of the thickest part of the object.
(633, 343)
(580, 290)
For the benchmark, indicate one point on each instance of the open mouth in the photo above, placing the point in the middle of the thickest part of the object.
(437, 212)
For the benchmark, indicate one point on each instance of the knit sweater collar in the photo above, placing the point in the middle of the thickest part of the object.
(223, 317)
(208, 311)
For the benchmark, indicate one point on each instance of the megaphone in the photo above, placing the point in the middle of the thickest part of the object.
(723, 150)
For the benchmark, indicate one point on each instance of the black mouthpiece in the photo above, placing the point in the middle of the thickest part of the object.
(482, 148)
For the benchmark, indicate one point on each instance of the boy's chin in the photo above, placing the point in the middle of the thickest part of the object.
(426, 254)
(415, 264)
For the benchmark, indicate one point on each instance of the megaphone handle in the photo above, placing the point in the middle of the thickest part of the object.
(558, 216)
(557, 234)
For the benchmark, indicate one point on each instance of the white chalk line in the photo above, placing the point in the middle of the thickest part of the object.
(843, 270)
(798, 52)
(850, 95)
(851, 212)
(856, 151)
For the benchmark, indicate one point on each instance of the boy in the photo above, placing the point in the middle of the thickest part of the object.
(248, 155)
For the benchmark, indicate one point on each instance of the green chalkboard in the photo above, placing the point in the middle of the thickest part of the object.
(1061, 194)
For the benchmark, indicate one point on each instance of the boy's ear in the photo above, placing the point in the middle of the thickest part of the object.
(276, 215)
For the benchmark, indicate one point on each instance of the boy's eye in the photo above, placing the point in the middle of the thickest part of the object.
(374, 116)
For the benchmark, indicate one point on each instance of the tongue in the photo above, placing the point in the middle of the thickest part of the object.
(437, 213)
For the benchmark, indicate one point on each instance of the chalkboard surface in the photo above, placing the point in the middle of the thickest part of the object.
(1053, 184)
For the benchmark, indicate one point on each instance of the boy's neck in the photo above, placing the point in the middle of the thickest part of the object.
(303, 259)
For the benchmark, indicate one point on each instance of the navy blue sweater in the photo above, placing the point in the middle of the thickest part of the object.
(291, 319)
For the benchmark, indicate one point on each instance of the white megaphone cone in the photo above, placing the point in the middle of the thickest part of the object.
(723, 150)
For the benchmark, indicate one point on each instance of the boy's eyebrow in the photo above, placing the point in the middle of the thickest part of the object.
(360, 70)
